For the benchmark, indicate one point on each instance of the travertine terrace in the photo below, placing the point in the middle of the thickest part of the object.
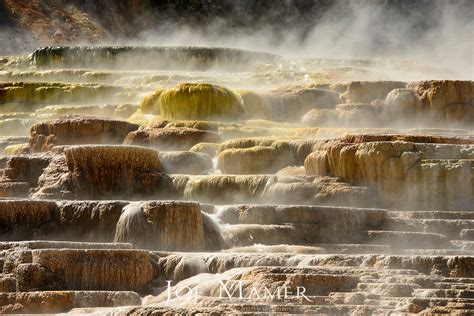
(134, 176)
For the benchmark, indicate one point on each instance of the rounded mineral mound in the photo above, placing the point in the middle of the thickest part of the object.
(199, 101)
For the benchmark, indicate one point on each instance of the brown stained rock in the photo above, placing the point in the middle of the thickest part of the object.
(55, 182)
(336, 192)
(440, 93)
(78, 130)
(99, 171)
(258, 214)
(92, 221)
(32, 277)
(63, 301)
(72, 269)
(46, 302)
(368, 91)
(431, 103)
(20, 174)
(461, 266)
(420, 172)
(7, 284)
(26, 219)
(446, 103)
(25, 169)
(171, 138)
(14, 257)
(333, 220)
(256, 105)
(248, 142)
(124, 111)
(144, 180)
(167, 225)
(14, 189)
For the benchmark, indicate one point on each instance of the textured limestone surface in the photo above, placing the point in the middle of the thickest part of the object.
(134, 177)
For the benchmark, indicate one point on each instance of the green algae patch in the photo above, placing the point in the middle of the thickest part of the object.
(150, 104)
(200, 101)
(149, 57)
(16, 149)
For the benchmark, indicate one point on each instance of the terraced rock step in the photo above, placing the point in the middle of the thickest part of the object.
(30, 96)
(406, 170)
(49, 244)
(89, 269)
(63, 301)
(423, 268)
(365, 288)
(135, 177)
(153, 225)
(156, 57)
(408, 239)
(370, 279)
(78, 130)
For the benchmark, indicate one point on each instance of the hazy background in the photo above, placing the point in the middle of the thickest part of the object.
(436, 32)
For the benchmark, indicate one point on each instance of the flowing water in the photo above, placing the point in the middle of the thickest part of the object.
(153, 179)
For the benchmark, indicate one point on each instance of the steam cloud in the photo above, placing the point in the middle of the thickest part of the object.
(431, 32)
(434, 32)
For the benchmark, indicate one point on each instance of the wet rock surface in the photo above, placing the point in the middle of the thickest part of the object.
(162, 225)
(408, 171)
(171, 138)
(79, 130)
(121, 174)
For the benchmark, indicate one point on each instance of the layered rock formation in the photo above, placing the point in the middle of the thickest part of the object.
(101, 171)
(78, 130)
(170, 138)
(186, 58)
(408, 171)
(287, 186)
(162, 225)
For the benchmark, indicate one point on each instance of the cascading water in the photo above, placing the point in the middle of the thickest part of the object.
(304, 172)
(215, 167)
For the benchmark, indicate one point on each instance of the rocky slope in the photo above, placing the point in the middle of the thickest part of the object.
(117, 183)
